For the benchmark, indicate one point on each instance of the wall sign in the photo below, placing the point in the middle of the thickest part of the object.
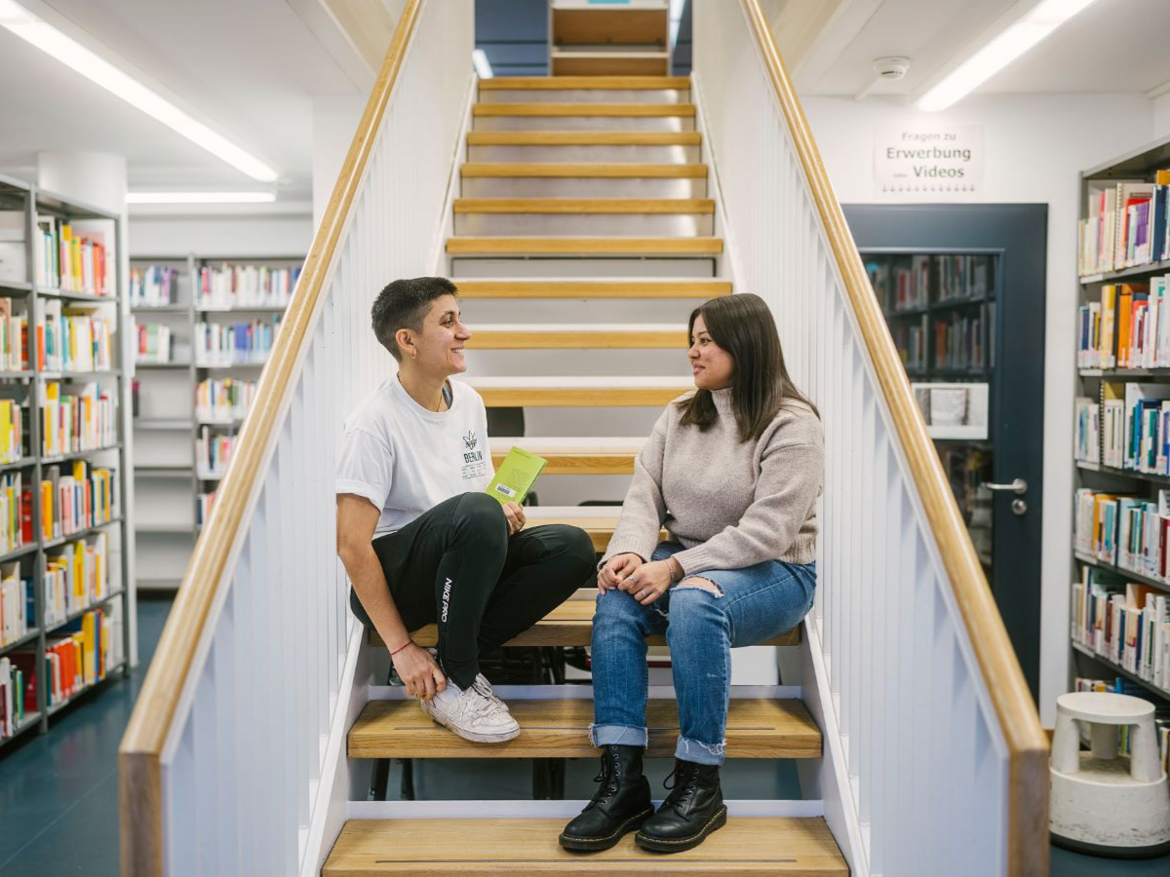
(928, 160)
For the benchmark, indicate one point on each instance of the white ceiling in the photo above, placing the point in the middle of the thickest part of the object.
(1114, 46)
(251, 69)
(248, 69)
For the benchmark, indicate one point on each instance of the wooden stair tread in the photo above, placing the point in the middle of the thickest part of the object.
(541, 336)
(632, 288)
(656, 206)
(747, 845)
(584, 170)
(584, 108)
(570, 624)
(575, 456)
(470, 245)
(585, 83)
(583, 138)
(559, 728)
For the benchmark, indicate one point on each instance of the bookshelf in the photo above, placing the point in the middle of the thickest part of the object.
(65, 616)
(187, 320)
(1119, 618)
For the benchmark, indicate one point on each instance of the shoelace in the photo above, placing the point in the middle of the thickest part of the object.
(680, 796)
(608, 777)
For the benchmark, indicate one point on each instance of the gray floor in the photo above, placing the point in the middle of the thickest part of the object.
(59, 792)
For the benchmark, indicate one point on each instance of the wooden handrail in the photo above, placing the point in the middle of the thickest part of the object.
(140, 773)
(1025, 738)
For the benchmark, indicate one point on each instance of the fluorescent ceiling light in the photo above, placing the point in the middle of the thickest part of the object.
(482, 67)
(675, 16)
(56, 44)
(200, 197)
(1034, 26)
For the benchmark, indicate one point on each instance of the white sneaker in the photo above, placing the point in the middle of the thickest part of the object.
(472, 713)
(481, 682)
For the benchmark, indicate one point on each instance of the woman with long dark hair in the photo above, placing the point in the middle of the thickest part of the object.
(733, 470)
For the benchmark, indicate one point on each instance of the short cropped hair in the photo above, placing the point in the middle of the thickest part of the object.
(404, 304)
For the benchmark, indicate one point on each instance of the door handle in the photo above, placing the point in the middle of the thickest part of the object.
(1018, 486)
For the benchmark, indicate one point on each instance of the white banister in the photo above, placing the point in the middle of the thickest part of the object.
(263, 656)
(934, 757)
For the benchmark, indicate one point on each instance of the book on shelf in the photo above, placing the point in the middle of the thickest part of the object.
(213, 452)
(13, 440)
(225, 344)
(13, 338)
(154, 343)
(1087, 430)
(76, 577)
(1126, 225)
(224, 400)
(1124, 622)
(1123, 685)
(911, 344)
(13, 497)
(70, 259)
(84, 652)
(152, 286)
(77, 417)
(227, 286)
(15, 688)
(203, 505)
(17, 603)
(958, 342)
(76, 496)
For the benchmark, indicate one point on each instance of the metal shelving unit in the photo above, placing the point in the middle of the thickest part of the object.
(1140, 164)
(35, 202)
(174, 541)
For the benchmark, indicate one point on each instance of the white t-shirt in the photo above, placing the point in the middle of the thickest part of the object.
(406, 459)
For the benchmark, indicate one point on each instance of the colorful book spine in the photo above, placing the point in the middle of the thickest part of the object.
(223, 401)
(241, 286)
(77, 417)
(213, 452)
(227, 344)
(17, 604)
(1124, 622)
(154, 343)
(152, 286)
(76, 576)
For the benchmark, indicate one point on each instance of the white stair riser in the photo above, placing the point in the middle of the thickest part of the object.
(641, 154)
(586, 95)
(576, 489)
(576, 310)
(583, 187)
(575, 266)
(589, 224)
(583, 123)
(649, 363)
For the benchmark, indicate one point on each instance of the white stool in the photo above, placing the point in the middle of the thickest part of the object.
(1103, 803)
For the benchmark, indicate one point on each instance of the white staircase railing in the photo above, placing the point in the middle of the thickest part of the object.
(226, 765)
(935, 761)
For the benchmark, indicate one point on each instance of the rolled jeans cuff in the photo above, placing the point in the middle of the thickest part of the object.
(621, 735)
(700, 753)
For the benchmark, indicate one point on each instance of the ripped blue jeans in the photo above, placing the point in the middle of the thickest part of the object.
(755, 604)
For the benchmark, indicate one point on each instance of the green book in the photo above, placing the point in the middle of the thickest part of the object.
(516, 476)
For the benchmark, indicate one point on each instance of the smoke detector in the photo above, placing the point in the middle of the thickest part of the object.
(891, 69)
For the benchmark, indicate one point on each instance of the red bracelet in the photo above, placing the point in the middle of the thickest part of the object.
(409, 642)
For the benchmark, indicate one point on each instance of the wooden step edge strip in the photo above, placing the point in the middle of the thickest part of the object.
(583, 246)
(568, 170)
(558, 110)
(558, 728)
(577, 397)
(585, 83)
(526, 846)
(593, 289)
(590, 206)
(583, 138)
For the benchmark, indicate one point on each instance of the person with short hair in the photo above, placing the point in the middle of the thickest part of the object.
(733, 470)
(421, 540)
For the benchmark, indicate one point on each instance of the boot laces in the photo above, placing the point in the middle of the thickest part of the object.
(609, 777)
(682, 789)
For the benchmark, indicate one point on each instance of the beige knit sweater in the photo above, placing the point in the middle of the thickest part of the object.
(730, 504)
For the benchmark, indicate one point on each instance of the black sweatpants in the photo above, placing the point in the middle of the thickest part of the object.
(456, 565)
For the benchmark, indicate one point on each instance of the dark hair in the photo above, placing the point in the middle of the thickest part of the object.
(404, 304)
(743, 325)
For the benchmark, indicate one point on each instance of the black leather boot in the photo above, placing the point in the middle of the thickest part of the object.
(620, 805)
(693, 809)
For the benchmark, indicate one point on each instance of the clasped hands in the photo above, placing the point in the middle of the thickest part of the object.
(644, 581)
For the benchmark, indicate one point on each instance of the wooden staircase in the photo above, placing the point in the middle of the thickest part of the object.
(581, 195)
